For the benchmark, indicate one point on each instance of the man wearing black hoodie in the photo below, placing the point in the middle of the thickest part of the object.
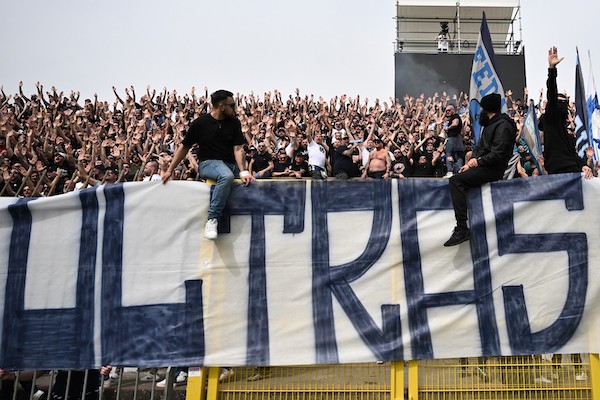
(489, 160)
(560, 155)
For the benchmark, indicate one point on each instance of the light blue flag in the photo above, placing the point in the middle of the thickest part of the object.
(594, 123)
(531, 134)
(593, 108)
(484, 76)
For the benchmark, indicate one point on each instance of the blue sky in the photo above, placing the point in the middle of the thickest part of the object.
(325, 47)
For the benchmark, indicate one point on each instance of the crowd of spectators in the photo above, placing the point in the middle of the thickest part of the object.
(51, 143)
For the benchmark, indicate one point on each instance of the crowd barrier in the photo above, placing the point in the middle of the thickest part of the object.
(489, 378)
(493, 378)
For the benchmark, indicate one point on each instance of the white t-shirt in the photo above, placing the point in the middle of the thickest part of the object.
(365, 156)
(333, 132)
(341, 131)
(289, 150)
(153, 178)
(316, 154)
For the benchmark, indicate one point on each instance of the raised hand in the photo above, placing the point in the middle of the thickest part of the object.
(589, 152)
(553, 59)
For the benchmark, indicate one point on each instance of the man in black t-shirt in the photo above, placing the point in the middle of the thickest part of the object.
(220, 154)
(261, 165)
(299, 168)
(343, 166)
(281, 165)
(455, 148)
(401, 165)
(60, 161)
(424, 166)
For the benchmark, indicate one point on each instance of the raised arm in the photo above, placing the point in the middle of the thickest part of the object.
(366, 169)
(179, 155)
(21, 92)
(117, 96)
(245, 176)
(553, 61)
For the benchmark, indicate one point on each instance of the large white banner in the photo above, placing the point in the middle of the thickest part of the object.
(301, 273)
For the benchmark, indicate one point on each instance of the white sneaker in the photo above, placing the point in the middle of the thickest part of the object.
(38, 395)
(448, 175)
(542, 379)
(210, 230)
(581, 377)
(162, 384)
(180, 379)
(149, 377)
(108, 382)
(226, 373)
(256, 377)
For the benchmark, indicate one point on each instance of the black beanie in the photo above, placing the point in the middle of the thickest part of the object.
(491, 103)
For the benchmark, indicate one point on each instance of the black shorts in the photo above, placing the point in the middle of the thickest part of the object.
(376, 174)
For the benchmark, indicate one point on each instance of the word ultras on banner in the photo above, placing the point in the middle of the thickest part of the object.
(179, 333)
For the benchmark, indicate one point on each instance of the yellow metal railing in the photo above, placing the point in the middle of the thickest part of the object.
(503, 378)
(348, 381)
(196, 384)
(493, 378)
(543, 377)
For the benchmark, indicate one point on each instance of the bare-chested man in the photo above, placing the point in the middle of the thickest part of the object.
(379, 164)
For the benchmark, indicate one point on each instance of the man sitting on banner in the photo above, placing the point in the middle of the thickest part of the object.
(560, 154)
(489, 160)
(220, 154)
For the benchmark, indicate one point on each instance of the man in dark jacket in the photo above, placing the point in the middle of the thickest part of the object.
(488, 162)
(560, 155)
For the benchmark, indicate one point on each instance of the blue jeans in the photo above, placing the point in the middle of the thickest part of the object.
(455, 149)
(223, 173)
(265, 176)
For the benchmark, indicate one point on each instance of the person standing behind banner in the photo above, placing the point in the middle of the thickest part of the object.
(151, 172)
(379, 164)
(261, 165)
(455, 148)
(317, 152)
(560, 154)
(489, 160)
(343, 166)
(220, 154)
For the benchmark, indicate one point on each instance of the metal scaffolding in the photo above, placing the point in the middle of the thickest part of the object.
(449, 26)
